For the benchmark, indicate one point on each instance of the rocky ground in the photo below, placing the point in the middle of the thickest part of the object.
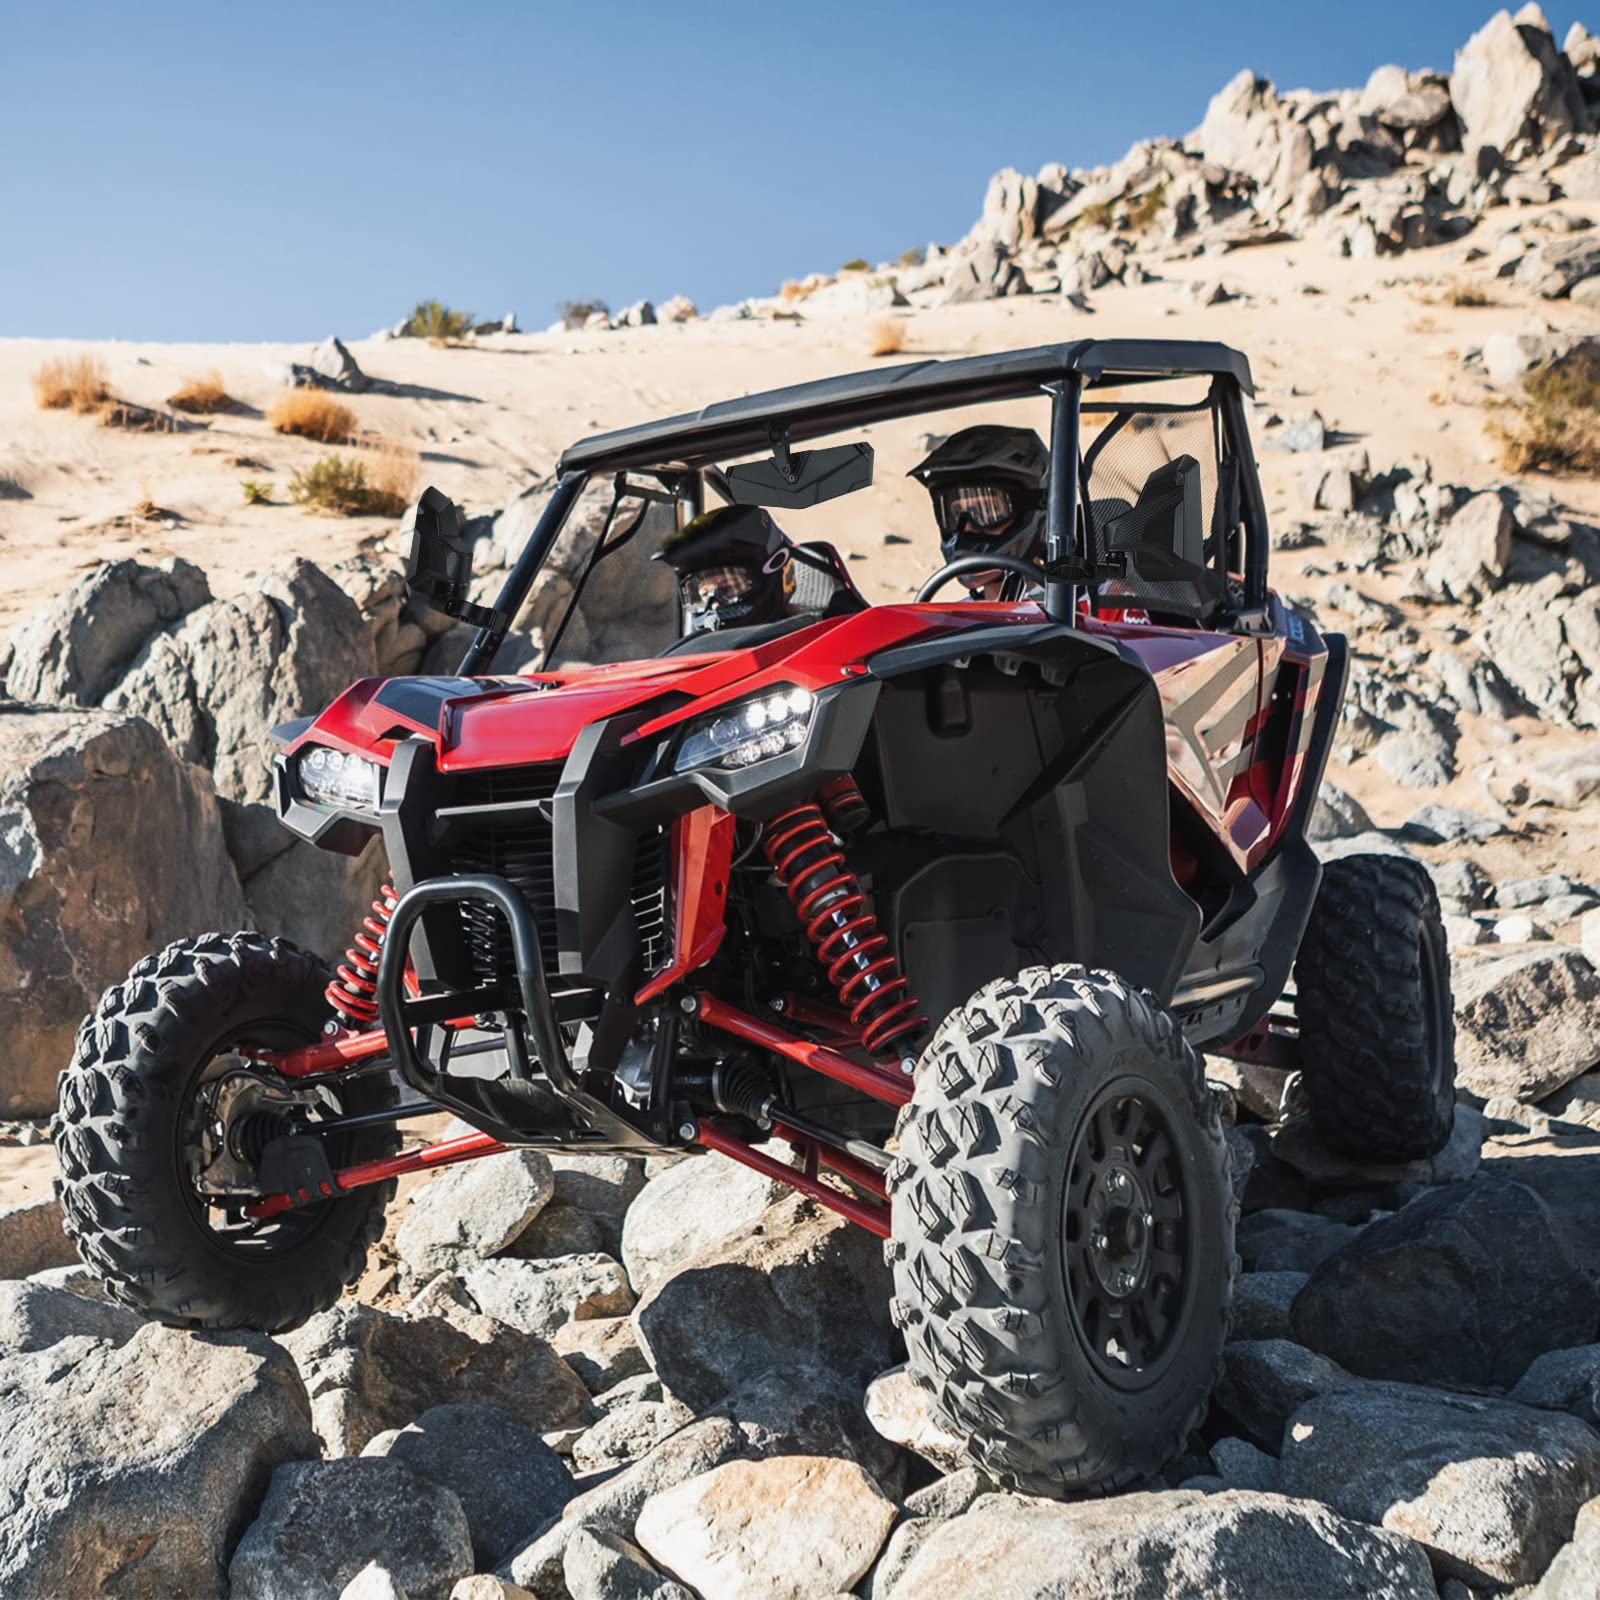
(600, 1386)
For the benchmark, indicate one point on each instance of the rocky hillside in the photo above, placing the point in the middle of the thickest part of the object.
(576, 1377)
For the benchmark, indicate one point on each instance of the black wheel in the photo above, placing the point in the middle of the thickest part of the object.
(140, 1135)
(1377, 1026)
(1062, 1237)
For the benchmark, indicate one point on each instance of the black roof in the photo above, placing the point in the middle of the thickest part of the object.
(739, 427)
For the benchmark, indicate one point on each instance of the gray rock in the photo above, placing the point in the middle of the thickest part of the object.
(1265, 1381)
(1488, 1488)
(1462, 882)
(373, 1582)
(34, 1317)
(1434, 824)
(323, 1521)
(1526, 1023)
(692, 1209)
(1241, 1465)
(628, 1432)
(1261, 1302)
(33, 1238)
(1571, 1576)
(131, 1470)
(1337, 815)
(1300, 434)
(368, 1371)
(601, 1350)
(335, 368)
(88, 800)
(1563, 1380)
(473, 1211)
(1181, 1545)
(1558, 267)
(563, 1231)
(1565, 781)
(1332, 1172)
(508, 1480)
(907, 1538)
(1289, 1241)
(950, 1495)
(1515, 893)
(803, 1285)
(602, 1187)
(790, 1526)
(642, 1387)
(540, 1296)
(605, 1566)
(1512, 89)
(1475, 550)
(1466, 1285)
(902, 1411)
(74, 649)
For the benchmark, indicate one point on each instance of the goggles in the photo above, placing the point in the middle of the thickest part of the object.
(982, 509)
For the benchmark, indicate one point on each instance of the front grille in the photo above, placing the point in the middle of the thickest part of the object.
(649, 896)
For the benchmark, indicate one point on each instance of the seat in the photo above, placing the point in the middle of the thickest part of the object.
(1159, 543)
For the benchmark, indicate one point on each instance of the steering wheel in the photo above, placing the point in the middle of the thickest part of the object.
(954, 569)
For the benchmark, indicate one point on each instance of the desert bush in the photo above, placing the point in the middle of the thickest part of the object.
(313, 415)
(381, 482)
(433, 319)
(574, 313)
(76, 384)
(911, 258)
(391, 471)
(1468, 294)
(886, 336)
(856, 264)
(1557, 419)
(256, 493)
(202, 395)
(1143, 210)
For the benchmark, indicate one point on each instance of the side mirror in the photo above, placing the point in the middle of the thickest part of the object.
(805, 478)
(439, 567)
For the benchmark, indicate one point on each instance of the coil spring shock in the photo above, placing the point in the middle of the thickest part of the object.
(828, 898)
(353, 994)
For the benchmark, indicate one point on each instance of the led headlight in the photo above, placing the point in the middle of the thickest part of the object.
(334, 778)
(751, 731)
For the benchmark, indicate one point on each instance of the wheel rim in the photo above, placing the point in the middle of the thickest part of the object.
(1126, 1214)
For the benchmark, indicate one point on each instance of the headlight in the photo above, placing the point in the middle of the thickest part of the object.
(333, 778)
(749, 732)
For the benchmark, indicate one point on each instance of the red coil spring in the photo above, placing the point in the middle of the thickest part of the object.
(828, 899)
(353, 994)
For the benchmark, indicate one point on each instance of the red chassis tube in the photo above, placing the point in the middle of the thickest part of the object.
(467, 1148)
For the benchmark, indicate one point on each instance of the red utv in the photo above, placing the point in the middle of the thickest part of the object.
(943, 897)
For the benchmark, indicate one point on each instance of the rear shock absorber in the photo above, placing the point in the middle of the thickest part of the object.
(353, 994)
(828, 898)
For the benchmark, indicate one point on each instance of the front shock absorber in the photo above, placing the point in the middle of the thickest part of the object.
(828, 898)
(353, 994)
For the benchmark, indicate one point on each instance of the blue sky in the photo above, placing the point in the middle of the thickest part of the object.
(235, 171)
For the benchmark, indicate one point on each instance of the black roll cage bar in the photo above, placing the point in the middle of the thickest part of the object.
(682, 452)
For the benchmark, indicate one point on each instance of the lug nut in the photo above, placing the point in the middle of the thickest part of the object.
(1149, 1220)
(1100, 1242)
(686, 1130)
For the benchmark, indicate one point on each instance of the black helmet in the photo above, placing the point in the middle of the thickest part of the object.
(734, 566)
(988, 485)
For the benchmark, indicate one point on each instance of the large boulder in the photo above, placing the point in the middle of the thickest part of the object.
(324, 1521)
(1265, 1381)
(787, 1528)
(803, 1285)
(132, 1470)
(1183, 1545)
(1513, 89)
(541, 1296)
(1563, 1380)
(93, 808)
(73, 650)
(1488, 1488)
(605, 1566)
(1249, 129)
(1465, 1285)
(33, 1237)
(473, 1211)
(368, 1371)
(1571, 1576)
(34, 1316)
(1526, 1024)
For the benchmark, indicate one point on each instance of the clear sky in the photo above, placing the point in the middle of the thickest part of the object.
(227, 170)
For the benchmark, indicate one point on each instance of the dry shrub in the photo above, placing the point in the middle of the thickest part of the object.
(886, 337)
(77, 385)
(1468, 294)
(792, 291)
(392, 470)
(313, 415)
(256, 493)
(133, 418)
(433, 319)
(1557, 423)
(380, 483)
(202, 395)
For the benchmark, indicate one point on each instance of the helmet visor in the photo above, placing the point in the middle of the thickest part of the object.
(982, 509)
(716, 587)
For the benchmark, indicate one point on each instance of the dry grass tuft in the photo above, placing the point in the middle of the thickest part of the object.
(1468, 294)
(77, 385)
(857, 264)
(202, 396)
(256, 493)
(791, 291)
(1557, 425)
(392, 470)
(313, 415)
(886, 336)
(379, 483)
(433, 319)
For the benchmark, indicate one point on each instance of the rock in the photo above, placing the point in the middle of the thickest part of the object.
(1289, 1241)
(367, 1371)
(88, 800)
(1248, 129)
(691, 1210)
(950, 1495)
(600, 1189)
(787, 1528)
(641, 314)
(216, 683)
(1571, 1576)
(1010, 210)
(1526, 1023)
(640, 1388)
(333, 367)
(323, 1521)
(1559, 266)
(677, 308)
(1489, 1489)
(1565, 781)
(902, 1412)
(1261, 1302)
(1518, 929)
(803, 1411)
(1265, 1381)
(1475, 549)
(605, 1566)
(803, 1285)
(628, 1432)
(131, 1470)
(33, 1238)
(373, 1582)
(1563, 1380)
(1241, 1466)
(562, 1231)
(987, 273)
(1464, 1286)
(508, 1480)
(1515, 892)
(34, 1317)
(74, 649)
(1302, 433)
(540, 1296)
(1181, 1544)
(1435, 824)
(601, 1350)
(1337, 815)
(1332, 1172)
(473, 1211)
(1512, 89)
(487, 1586)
